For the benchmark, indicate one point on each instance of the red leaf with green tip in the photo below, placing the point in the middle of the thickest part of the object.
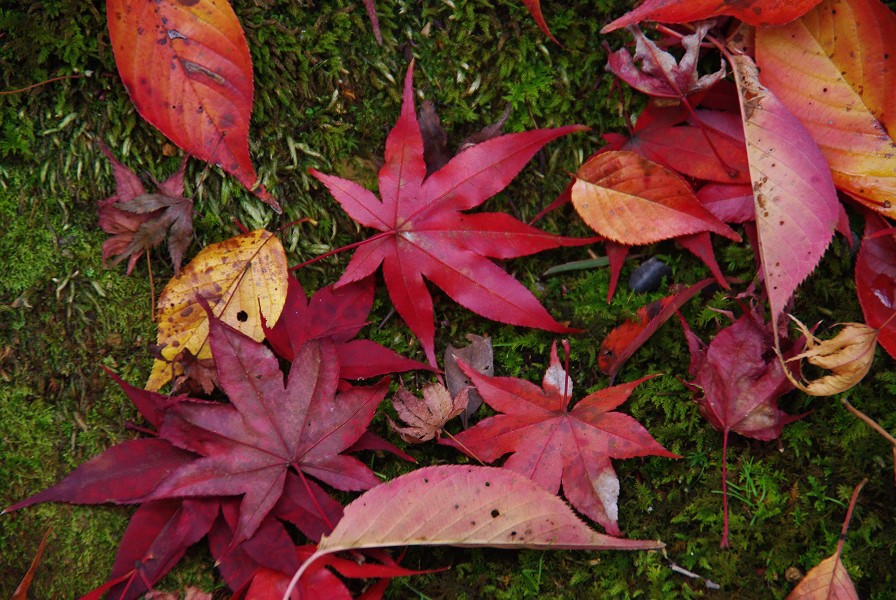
(248, 447)
(424, 234)
(551, 444)
(187, 69)
(754, 12)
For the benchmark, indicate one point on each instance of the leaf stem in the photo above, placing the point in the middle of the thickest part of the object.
(869, 421)
(846, 520)
(32, 86)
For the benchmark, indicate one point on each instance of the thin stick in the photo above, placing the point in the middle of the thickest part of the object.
(152, 290)
(31, 87)
(869, 421)
(709, 583)
(852, 505)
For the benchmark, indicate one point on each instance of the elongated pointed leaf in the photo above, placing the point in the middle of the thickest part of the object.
(834, 69)
(876, 280)
(754, 12)
(187, 68)
(796, 203)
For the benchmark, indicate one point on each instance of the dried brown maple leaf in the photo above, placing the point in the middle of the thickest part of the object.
(140, 221)
(428, 416)
(480, 356)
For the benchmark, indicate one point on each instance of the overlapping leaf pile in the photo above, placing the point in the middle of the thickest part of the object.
(767, 152)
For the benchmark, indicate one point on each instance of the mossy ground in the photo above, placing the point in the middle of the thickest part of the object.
(326, 96)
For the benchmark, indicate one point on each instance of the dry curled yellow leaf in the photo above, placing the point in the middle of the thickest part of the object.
(847, 356)
(240, 279)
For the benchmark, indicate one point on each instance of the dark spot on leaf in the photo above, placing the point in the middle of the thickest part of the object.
(495, 513)
(242, 316)
(425, 480)
(456, 506)
(188, 2)
(488, 484)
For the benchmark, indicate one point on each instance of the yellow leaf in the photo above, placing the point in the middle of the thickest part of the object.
(848, 357)
(240, 279)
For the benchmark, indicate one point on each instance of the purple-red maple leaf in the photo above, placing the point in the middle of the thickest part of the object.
(336, 315)
(425, 234)
(140, 221)
(552, 444)
(248, 447)
(740, 378)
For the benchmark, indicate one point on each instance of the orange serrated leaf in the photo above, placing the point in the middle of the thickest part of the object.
(187, 69)
(834, 70)
(240, 278)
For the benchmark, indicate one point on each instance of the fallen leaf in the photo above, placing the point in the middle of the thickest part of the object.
(534, 7)
(248, 446)
(624, 340)
(551, 444)
(828, 580)
(480, 356)
(876, 280)
(337, 315)
(139, 221)
(424, 234)
(242, 279)
(435, 140)
(456, 505)
(832, 70)
(370, 7)
(633, 201)
(21, 591)
(739, 380)
(754, 12)
(848, 356)
(660, 74)
(427, 417)
(795, 201)
(187, 69)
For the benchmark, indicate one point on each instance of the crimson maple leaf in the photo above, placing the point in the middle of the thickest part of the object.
(552, 444)
(247, 447)
(740, 379)
(424, 234)
(337, 315)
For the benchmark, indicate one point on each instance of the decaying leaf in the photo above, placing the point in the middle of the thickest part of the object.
(140, 221)
(479, 355)
(240, 279)
(428, 416)
(467, 506)
(848, 356)
(828, 580)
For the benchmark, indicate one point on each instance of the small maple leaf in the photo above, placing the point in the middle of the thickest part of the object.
(479, 355)
(552, 444)
(428, 416)
(424, 234)
(660, 74)
(739, 379)
(336, 315)
(249, 446)
(140, 221)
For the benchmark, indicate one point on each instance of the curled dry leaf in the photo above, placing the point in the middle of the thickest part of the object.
(480, 356)
(240, 278)
(848, 356)
(428, 416)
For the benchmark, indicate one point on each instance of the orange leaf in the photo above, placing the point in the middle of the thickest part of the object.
(834, 69)
(240, 278)
(633, 201)
(186, 66)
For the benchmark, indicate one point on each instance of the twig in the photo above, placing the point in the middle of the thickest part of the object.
(32, 86)
(709, 583)
(870, 422)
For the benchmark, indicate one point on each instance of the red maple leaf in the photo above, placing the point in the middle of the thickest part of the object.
(336, 315)
(740, 378)
(248, 447)
(424, 234)
(754, 12)
(552, 444)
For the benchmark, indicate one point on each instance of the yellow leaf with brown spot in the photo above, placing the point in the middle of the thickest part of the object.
(847, 356)
(241, 279)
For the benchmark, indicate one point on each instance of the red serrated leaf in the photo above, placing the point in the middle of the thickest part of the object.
(876, 280)
(754, 12)
(425, 234)
(248, 446)
(188, 71)
(740, 378)
(337, 315)
(625, 339)
(552, 444)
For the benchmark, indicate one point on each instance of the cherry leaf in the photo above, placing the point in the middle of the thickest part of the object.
(876, 280)
(832, 69)
(795, 200)
(754, 12)
(187, 69)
